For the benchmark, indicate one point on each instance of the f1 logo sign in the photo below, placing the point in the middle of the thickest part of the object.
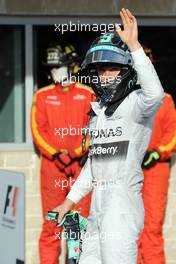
(11, 201)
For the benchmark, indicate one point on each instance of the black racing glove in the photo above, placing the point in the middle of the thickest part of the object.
(71, 225)
(150, 159)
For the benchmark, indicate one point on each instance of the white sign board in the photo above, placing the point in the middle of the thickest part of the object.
(12, 243)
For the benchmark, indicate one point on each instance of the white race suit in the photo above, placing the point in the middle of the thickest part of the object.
(113, 171)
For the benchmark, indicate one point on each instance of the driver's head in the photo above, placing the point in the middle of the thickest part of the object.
(109, 60)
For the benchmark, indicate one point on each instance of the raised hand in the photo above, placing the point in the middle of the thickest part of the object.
(130, 33)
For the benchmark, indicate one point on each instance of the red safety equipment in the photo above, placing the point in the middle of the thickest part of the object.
(57, 118)
(155, 188)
